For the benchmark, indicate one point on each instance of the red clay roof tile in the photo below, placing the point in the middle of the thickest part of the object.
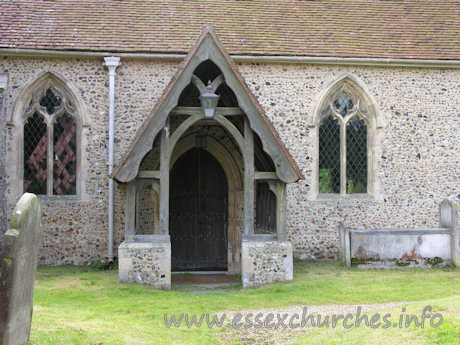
(415, 29)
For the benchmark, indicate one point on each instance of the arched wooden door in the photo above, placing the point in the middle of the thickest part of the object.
(198, 213)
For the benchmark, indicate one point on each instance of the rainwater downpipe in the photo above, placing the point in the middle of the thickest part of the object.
(112, 63)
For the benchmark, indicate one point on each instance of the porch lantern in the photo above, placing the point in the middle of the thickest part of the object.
(209, 101)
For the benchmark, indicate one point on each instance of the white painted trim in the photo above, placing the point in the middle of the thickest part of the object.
(380, 62)
(85, 54)
(3, 80)
(349, 61)
(111, 63)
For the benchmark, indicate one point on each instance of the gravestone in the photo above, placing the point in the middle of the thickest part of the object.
(19, 264)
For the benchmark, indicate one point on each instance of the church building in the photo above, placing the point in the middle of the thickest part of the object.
(226, 136)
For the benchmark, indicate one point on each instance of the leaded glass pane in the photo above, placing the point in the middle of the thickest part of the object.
(265, 209)
(329, 156)
(65, 158)
(50, 101)
(343, 104)
(35, 155)
(356, 156)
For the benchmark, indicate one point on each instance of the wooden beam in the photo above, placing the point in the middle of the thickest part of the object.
(224, 111)
(281, 210)
(198, 84)
(248, 154)
(172, 141)
(265, 175)
(208, 49)
(130, 219)
(262, 159)
(217, 82)
(229, 126)
(138, 197)
(164, 181)
(228, 111)
(149, 174)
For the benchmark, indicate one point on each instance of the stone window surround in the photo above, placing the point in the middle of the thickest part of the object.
(18, 117)
(374, 124)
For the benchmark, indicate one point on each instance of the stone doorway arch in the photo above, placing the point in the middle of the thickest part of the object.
(232, 167)
(177, 123)
(198, 213)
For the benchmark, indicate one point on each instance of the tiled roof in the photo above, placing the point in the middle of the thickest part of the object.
(409, 29)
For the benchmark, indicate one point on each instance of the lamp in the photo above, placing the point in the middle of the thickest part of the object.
(209, 101)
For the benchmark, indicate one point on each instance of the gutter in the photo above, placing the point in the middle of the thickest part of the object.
(243, 58)
(112, 63)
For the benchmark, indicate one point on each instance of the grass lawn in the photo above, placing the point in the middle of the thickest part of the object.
(80, 305)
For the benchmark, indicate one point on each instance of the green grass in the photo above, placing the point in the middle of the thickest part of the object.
(83, 305)
(448, 333)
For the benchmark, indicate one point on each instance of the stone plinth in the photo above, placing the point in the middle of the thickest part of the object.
(147, 262)
(400, 248)
(266, 262)
(415, 247)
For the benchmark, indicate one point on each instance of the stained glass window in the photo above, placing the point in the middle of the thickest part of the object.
(35, 155)
(356, 156)
(329, 156)
(343, 104)
(342, 124)
(65, 158)
(50, 101)
(62, 151)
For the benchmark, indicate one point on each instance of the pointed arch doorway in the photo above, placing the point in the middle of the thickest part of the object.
(247, 137)
(198, 213)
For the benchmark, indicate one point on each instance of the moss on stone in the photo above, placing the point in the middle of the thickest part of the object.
(434, 261)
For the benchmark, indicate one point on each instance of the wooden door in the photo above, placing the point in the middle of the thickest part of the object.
(198, 213)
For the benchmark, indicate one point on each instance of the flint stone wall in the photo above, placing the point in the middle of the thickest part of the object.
(417, 161)
(145, 263)
(265, 262)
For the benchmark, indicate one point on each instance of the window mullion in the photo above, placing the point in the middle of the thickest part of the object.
(370, 162)
(343, 160)
(49, 169)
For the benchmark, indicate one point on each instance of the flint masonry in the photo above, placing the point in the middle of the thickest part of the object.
(226, 136)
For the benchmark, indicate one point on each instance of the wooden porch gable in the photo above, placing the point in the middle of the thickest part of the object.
(207, 47)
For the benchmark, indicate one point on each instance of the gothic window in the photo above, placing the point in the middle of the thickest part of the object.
(329, 156)
(64, 162)
(35, 155)
(50, 144)
(344, 142)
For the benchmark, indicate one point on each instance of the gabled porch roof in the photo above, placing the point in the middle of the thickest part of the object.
(208, 47)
